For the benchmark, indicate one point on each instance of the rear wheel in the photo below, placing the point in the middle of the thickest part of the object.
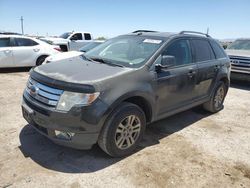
(123, 130)
(40, 60)
(215, 104)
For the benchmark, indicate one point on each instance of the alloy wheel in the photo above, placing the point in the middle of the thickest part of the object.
(127, 132)
(219, 97)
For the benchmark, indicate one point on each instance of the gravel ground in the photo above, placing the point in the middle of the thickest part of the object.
(190, 149)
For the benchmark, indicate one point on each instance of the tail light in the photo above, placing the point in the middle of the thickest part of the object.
(58, 49)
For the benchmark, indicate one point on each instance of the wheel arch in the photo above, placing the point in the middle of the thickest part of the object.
(142, 100)
(224, 78)
(40, 56)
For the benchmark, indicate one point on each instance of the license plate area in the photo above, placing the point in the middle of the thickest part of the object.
(27, 112)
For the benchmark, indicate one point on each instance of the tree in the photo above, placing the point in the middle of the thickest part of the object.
(101, 38)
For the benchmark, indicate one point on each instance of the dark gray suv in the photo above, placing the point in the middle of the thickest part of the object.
(108, 95)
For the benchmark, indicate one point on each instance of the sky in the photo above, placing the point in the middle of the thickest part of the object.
(226, 19)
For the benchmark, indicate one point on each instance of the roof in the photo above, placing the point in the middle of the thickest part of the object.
(14, 35)
(168, 34)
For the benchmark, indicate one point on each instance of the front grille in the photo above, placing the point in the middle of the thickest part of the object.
(42, 93)
(240, 64)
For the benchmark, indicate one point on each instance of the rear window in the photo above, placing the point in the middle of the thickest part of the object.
(202, 50)
(87, 36)
(24, 42)
(219, 52)
(4, 42)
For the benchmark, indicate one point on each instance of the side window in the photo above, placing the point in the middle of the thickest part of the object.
(77, 36)
(24, 42)
(4, 42)
(181, 51)
(219, 52)
(87, 36)
(202, 50)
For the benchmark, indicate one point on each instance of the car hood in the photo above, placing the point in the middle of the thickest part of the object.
(79, 71)
(241, 53)
(63, 56)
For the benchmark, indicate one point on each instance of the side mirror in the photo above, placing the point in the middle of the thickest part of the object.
(166, 62)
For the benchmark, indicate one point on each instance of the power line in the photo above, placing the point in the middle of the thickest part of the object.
(22, 24)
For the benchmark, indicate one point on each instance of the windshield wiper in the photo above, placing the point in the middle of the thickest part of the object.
(100, 60)
(85, 57)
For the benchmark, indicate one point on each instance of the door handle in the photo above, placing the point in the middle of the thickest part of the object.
(191, 73)
(36, 49)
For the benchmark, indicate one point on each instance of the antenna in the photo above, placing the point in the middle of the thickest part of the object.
(22, 24)
(207, 30)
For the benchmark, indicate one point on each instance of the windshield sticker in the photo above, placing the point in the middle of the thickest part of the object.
(152, 41)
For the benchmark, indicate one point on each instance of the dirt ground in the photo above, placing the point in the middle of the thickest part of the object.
(190, 149)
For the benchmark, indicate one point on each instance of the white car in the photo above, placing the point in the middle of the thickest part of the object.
(70, 40)
(22, 51)
(71, 54)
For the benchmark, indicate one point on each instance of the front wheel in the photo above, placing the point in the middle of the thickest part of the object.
(215, 104)
(123, 130)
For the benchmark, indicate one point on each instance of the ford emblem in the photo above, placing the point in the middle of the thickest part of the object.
(33, 90)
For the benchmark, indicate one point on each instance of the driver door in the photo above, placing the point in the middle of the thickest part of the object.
(176, 84)
(76, 42)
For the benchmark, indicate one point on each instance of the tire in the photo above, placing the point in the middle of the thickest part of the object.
(215, 104)
(118, 137)
(40, 60)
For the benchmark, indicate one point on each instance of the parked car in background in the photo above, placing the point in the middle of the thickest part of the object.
(239, 54)
(108, 95)
(71, 54)
(70, 40)
(22, 51)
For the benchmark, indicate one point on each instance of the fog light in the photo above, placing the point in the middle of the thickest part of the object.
(64, 135)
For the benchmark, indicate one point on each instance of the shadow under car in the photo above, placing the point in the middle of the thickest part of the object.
(54, 157)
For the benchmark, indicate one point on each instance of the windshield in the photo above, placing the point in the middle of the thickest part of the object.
(240, 45)
(128, 51)
(65, 35)
(89, 46)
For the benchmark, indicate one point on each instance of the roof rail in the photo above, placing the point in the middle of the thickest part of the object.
(194, 32)
(141, 31)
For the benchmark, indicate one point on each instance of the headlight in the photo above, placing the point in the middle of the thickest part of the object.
(69, 99)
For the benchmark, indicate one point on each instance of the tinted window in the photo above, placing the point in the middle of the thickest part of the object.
(219, 52)
(4, 42)
(180, 50)
(77, 36)
(202, 50)
(87, 36)
(24, 42)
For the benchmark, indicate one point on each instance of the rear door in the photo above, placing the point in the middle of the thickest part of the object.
(208, 66)
(175, 85)
(6, 53)
(25, 52)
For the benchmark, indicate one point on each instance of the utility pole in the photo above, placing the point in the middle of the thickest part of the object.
(208, 30)
(22, 24)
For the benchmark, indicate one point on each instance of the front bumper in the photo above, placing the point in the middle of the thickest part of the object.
(85, 123)
(239, 75)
